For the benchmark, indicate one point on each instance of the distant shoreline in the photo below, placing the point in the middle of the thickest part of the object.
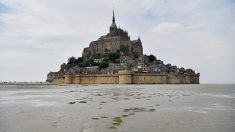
(25, 83)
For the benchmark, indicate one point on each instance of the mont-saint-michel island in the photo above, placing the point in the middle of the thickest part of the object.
(116, 59)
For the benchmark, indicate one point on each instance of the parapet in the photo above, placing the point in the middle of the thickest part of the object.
(124, 72)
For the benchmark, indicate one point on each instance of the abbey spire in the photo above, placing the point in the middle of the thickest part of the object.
(113, 17)
(113, 25)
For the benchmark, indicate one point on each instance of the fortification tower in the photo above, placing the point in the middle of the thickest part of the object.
(125, 77)
(77, 79)
(68, 79)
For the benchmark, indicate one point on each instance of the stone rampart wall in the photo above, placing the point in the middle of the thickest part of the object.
(126, 77)
(58, 81)
(149, 79)
(91, 79)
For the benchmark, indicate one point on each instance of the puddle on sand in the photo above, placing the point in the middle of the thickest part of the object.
(55, 124)
(151, 110)
(135, 110)
(95, 118)
(71, 103)
(82, 102)
(124, 115)
(103, 117)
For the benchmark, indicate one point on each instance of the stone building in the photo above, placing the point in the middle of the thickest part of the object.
(113, 42)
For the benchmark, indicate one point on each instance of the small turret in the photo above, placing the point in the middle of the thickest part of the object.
(139, 39)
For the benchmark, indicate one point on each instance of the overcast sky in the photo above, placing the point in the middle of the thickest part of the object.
(36, 36)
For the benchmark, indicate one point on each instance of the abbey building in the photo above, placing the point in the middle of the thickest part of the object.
(112, 42)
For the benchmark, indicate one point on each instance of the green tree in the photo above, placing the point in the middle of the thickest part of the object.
(104, 64)
(79, 59)
(190, 71)
(83, 64)
(106, 50)
(71, 60)
(124, 48)
(114, 56)
(151, 58)
(181, 70)
(97, 56)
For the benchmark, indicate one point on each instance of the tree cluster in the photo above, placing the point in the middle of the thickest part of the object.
(151, 58)
(124, 49)
(81, 62)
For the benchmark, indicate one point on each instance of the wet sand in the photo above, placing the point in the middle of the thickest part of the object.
(117, 108)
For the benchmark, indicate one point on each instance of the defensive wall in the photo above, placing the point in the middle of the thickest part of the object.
(127, 77)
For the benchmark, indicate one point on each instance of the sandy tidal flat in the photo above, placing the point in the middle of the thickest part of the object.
(117, 108)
